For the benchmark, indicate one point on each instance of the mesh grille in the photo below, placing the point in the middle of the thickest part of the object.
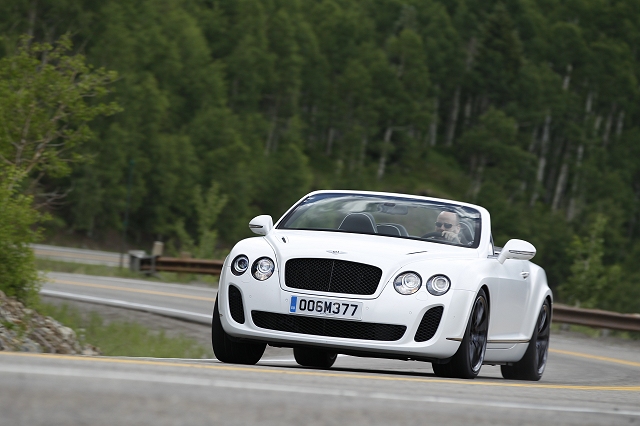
(235, 304)
(429, 324)
(328, 327)
(333, 276)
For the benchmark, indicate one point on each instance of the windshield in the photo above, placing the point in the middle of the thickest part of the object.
(387, 216)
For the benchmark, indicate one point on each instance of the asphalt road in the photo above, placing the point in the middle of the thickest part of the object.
(64, 390)
(187, 302)
(588, 381)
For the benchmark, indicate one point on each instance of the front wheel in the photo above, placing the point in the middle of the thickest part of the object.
(467, 361)
(316, 358)
(230, 351)
(532, 364)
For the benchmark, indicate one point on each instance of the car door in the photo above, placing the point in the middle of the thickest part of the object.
(513, 296)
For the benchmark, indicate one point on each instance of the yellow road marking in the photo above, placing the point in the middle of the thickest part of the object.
(132, 290)
(289, 372)
(599, 358)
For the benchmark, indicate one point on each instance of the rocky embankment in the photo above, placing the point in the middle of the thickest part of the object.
(25, 330)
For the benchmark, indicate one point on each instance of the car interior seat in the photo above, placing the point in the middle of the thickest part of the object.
(393, 229)
(363, 223)
(467, 230)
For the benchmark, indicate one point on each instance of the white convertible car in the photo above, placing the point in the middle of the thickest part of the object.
(389, 276)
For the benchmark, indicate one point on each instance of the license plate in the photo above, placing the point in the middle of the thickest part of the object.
(329, 308)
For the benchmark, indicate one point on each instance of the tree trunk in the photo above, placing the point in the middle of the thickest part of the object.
(453, 118)
(312, 138)
(32, 18)
(433, 127)
(274, 126)
(567, 78)
(467, 112)
(476, 185)
(542, 160)
(560, 184)
(572, 210)
(330, 137)
(607, 127)
(620, 124)
(363, 150)
(383, 155)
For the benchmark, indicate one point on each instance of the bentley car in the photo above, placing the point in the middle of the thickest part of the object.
(384, 275)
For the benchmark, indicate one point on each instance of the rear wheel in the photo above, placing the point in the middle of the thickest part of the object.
(532, 364)
(467, 361)
(230, 351)
(316, 358)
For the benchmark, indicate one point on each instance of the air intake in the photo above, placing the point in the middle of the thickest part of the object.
(235, 304)
(328, 327)
(429, 324)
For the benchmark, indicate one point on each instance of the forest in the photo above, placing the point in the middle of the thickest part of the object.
(219, 110)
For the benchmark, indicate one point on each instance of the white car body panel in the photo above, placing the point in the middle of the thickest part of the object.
(516, 290)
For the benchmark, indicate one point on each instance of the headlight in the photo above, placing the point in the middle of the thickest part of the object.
(407, 283)
(438, 285)
(240, 265)
(262, 268)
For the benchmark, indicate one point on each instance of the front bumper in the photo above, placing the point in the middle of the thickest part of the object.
(388, 308)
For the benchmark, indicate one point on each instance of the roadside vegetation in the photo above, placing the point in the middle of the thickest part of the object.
(121, 338)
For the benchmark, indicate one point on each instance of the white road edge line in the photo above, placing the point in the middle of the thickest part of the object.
(116, 302)
(254, 386)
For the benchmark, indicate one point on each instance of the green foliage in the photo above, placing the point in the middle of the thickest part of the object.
(44, 116)
(18, 275)
(589, 278)
(43, 107)
(122, 338)
(527, 108)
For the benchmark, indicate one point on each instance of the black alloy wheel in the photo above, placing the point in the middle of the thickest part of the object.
(230, 351)
(534, 360)
(316, 358)
(467, 361)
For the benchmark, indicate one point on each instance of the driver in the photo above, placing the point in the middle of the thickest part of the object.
(448, 226)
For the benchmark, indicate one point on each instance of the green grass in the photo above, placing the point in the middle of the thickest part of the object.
(123, 338)
(49, 265)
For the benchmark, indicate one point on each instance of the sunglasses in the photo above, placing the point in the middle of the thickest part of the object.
(446, 225)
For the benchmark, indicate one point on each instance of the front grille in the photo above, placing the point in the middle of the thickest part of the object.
(235, 304)
(429, 324)
(332, 275)
(328, 327)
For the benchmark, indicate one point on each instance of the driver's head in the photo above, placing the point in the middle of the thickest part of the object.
(448, 221)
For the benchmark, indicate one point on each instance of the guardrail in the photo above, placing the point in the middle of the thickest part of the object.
(596, 318)
(561, 313)
(175, 264)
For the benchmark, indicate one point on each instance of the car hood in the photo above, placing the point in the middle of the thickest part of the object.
(388, 253)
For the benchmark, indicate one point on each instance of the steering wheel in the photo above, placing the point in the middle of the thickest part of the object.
(437, 235)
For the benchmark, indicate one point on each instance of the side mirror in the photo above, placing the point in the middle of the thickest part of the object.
(517, 249)
(261, 225)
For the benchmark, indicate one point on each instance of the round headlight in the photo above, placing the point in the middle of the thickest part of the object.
(407, 283)
(262, 268)
(240, 265)
(438, 285)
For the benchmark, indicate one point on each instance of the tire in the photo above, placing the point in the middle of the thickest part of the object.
(467, 361)
(534, 360)
(316, 358)
(230, 351)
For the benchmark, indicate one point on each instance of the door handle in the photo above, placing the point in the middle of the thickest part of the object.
(525, 275)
